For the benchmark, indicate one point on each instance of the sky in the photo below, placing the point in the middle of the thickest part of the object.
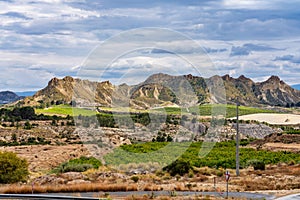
(42, 39)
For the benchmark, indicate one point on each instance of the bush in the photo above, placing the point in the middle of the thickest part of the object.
(257, 164)
(135, 179)
(13, 169)
(67, 167)
(179, 167)
(78, 165)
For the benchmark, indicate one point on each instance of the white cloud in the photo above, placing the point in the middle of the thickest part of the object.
(247, 4)
(54, 36)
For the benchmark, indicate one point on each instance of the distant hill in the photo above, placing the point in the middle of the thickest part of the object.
(297, 87)
(166, 90)
(8, 97)
(26, 94)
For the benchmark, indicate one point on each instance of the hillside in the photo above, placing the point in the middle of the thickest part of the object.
(63, 91)
(166, 90)
(8, 97)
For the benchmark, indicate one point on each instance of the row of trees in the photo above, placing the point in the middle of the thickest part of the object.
(26, 113)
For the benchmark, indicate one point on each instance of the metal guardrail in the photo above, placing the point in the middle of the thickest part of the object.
(36, 196)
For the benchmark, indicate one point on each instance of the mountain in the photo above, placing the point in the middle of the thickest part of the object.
(8, 97)
(64, 90)
(166, 90)
(270, 92)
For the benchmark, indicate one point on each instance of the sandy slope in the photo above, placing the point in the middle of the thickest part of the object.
(272, 118)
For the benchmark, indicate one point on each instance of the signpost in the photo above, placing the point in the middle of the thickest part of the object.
(237, 153)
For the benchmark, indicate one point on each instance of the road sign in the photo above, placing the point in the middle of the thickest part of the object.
(227, 175)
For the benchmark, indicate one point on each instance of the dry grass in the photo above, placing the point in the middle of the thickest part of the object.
(192, 197)
(27, 189)
(152, 187)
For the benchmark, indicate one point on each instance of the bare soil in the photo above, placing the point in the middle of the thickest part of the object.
(273, 118)
(47, 157)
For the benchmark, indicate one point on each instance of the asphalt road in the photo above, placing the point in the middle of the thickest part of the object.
(121, 195)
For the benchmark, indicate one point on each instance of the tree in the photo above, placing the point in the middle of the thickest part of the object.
(179, 167)
(14, 137)
(24, 112)
(27, 125)
(12, 168)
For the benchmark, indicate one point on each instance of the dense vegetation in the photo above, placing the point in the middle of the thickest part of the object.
(12, 168)
(221, 156)
(78, 165)
(25, 113)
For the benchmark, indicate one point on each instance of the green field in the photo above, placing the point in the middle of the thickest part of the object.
(222, 155)
(65, 110)
(207, 110)
(203, 110)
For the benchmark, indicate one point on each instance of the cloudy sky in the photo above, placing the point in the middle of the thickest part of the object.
(42, 39)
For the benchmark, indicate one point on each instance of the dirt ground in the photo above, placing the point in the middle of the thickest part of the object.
(273, 118)
(42, 158)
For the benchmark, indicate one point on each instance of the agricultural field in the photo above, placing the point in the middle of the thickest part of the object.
(65, 110)
(222, 155)
(202, 110)
(207, 110)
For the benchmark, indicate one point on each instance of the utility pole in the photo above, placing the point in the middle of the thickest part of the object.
(237, 153)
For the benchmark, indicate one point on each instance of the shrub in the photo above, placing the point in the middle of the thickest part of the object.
(13, 169)
(78, 165)
(135, 179)
(67, 167)
(179, 167)
(27, 125)
(257, 164)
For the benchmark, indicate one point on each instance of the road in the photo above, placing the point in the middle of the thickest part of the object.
(122, 195)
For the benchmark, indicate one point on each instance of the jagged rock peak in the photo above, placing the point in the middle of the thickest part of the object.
(273, 79)
(106, 83)
(189, 76)
(156, 78)
(226, 77)
(68, 79)
(53, 81)
(242, 77)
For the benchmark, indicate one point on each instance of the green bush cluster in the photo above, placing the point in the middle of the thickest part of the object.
(78, 165)
(178, 167)
(221, 156)
(25, 113)
(12, 168)
(128, 120)
(29, 141)
(257, 164)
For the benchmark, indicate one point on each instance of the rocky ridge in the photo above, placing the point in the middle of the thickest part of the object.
(166, 90)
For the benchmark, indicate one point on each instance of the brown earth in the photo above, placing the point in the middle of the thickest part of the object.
(46, 157)
(279, 142)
